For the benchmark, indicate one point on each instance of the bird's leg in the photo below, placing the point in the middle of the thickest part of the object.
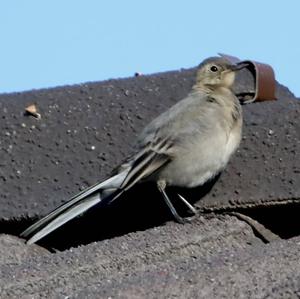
(189, 206)
(161, 185)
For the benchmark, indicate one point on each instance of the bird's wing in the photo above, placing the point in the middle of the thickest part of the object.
(147, 161)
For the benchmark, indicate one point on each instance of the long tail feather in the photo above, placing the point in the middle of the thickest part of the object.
(105, 192)
(74, 207)
(67, 215)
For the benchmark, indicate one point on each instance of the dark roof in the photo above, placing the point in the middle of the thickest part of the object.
(134, 249)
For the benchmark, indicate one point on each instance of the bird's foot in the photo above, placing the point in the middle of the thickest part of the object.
(161, 185)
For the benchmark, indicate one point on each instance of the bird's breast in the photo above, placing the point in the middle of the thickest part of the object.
(201, 161)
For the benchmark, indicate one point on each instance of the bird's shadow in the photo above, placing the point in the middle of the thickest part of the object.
(140, 208)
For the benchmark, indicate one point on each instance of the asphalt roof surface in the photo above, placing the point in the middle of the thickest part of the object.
(133, 249)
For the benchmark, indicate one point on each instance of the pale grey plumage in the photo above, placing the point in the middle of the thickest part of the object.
(185, 146)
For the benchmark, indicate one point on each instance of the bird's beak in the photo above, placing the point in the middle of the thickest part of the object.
(238, 66)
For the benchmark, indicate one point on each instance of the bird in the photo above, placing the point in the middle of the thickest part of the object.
(186, 146)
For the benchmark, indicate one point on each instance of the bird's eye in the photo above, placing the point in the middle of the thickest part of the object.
(214, 69)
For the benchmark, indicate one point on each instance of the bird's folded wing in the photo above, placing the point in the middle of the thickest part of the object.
(146, 162)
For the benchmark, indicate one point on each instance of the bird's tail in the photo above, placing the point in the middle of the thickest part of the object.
(103, 192)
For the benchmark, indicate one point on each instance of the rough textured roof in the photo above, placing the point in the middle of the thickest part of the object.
(133, 249)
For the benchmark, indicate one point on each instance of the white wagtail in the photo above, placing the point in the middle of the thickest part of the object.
(185, 146)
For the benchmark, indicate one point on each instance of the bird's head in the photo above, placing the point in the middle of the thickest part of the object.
(217, 72)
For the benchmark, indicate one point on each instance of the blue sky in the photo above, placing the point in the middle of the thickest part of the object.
(58, 42)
